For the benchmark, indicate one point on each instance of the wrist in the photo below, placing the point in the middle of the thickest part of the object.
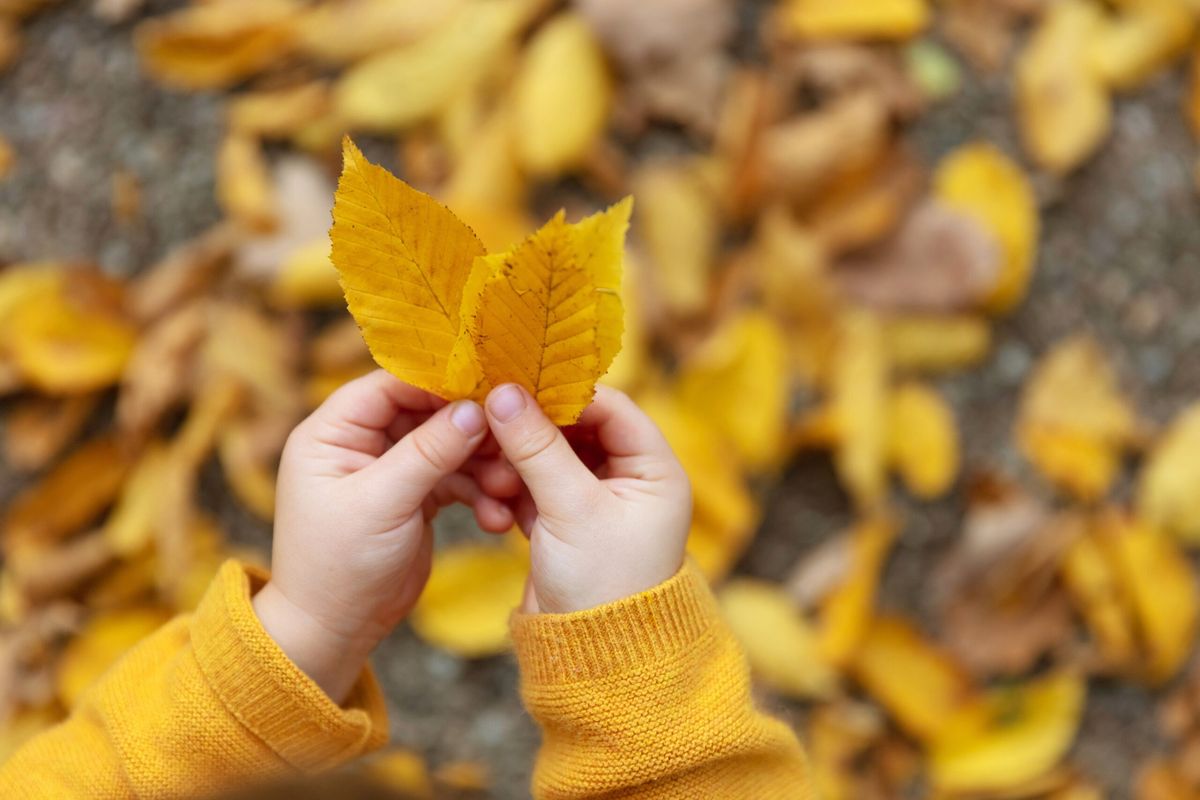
(333, 659)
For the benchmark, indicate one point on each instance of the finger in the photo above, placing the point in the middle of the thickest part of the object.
(414, 466)
(358, 415)
(635, 446)
(541, 455)
(495, 476)
(493, 516)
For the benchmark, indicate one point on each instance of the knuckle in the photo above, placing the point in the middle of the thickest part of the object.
(429, 447)
(537, 445)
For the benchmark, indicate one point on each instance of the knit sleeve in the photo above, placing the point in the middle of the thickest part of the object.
(206, 702)
(649, 697)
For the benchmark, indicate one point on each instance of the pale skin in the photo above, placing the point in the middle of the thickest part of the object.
(363, 477)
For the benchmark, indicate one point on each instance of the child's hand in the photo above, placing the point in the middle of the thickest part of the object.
(359, 483)
(596, 537)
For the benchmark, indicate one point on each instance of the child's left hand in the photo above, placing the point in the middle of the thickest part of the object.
(359, 484)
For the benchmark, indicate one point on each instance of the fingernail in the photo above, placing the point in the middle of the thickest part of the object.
(468, 417)
(506, 402)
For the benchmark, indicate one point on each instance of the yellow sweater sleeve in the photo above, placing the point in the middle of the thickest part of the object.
(207, 702)
(649, 697)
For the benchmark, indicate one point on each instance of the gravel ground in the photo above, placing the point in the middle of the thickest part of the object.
(1120, 258)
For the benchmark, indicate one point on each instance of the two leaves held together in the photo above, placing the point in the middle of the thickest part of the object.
(439, 312)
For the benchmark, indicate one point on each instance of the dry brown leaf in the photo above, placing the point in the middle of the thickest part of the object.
(1062, 105)
(187, 271)
(8, 155)
(10, 49)
(37, 430)
(212, 45)
(940, 260)
(1074, 422)
(68, 497)
(160, 372)
(248, 469)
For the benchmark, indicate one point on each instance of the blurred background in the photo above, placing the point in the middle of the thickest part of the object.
(912, 286)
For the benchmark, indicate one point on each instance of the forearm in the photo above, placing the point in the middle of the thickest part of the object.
(650, 698)
(206, 702)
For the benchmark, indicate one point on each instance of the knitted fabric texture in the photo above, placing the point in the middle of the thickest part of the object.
(649, 697)
(207, 702)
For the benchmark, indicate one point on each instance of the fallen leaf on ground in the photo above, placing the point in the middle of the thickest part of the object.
(1014, 736)
(213, 45)
(243, 185)
(1167, 495)
(986, 185)
(859, 405)
(864, 19)
(278, 113)
(471, 593)
(846, 612)
(1139, 40)
(1074, 423)
(922, 440)
(936, 343)
(403, 771)
(1062, 105)
(39, 429)
(780, 643)
(562, 67)
(103, 640)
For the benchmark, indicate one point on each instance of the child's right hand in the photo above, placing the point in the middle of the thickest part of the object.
(594, 537)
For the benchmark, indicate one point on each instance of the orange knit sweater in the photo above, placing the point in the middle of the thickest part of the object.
(647, 697)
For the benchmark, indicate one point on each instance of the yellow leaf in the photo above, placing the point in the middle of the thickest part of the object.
(1167, 495)
(404, 260)
(1016, 736)
(99, 645)
(1098, 593)
(738, 382)
(858, 401)
(547, 314)
(243, 185)
(779, 643)
(1160, 587)
(561, 96)
(487, 188)
(1074, 423)
(936, 343)
(1141, 39)
(130, 527)
(632, 366)
(307, 278)
(278, 113)
(1063, 107)
(725, 512)
(678, 220)
(859, 19)
(466, 776)
(847, 611)
(921, 686)
(984, 183)
(65, 330)
(69, 497)
(403, 771)
(351, 30)
(922, 440)
(470, 595)
(212, 45)
(408, 84)
(249, 474)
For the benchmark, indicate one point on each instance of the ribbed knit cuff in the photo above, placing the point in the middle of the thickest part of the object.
(270, 695)
(585, 645)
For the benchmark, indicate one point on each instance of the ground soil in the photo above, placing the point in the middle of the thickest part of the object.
(1120, 259)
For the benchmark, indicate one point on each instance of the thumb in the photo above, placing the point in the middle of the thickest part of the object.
(536, 448)
(413, 466)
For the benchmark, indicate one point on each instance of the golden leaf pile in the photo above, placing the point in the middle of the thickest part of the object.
(798, 283)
